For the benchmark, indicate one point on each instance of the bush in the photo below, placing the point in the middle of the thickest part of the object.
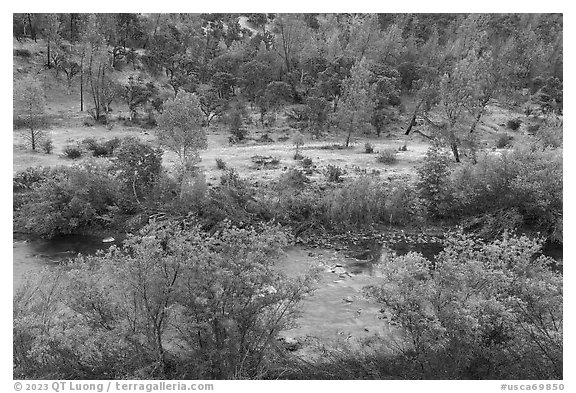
(514, 124)
(89, 143)
(138, 166)
(306, 162)
(298, 156)
(503, 140)
(88, 122)
(219, 296)
(69, 201)
(433, 183)
(293, 178)
(335, 146)
(403, 205)
(72, 152)
(26, 179)
(550, 137)
(220, 164)
(47, 146)
(505, 328)
(101, 149)
(404, 147)
(22, 53)
(236, 128)
(368, 148)
(334, 173)
(111, 145)
(388, 156)
(524, 182)
(357, 204)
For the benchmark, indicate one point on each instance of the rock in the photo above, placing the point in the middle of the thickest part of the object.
(339, 270)
(291, 344)
(337, 281)
(366, 330)
(338, 265)
(109, 239)
(348, 299)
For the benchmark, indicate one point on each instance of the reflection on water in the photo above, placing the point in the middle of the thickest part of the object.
(362, 261)
(32, 254)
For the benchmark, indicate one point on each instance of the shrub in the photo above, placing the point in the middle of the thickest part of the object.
(505, 328)
(335, 146)
(101, 149)
(514, 124)
(236, 128)
(307, 162)
(368, 148)
(403, 205)
(524, 182)
(388, 156)
(298, 156)
(88, 122)
(503, 140)
(89, 143)
(220, 164)
(138, 166)
(404, 147)
(293, 178)
(22, 53)
(26, 179)
(358, 203)
(334, 173)
(69, 201)
(73, 152)
(434, 181)
(47, 146)
(550, 137)
(298, 141)
(111, 145)
(219, 296)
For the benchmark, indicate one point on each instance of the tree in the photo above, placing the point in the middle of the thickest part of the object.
(291, 33)
(458, 92)
(180, 127)
(317, 109)
(357, 103)
(51, 34)
(256, 75)
(138, 166)
(210, 103)
(386, 93)
(70, 67)
(29, 106)
(136, 94)
(274, 96)
(331, 79)
(101, 86)
(434, 180)
(298, 141)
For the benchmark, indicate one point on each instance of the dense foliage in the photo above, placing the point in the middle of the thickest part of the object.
(196, 293)
(173, 302)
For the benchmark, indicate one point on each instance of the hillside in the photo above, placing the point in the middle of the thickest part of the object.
(288, 196)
